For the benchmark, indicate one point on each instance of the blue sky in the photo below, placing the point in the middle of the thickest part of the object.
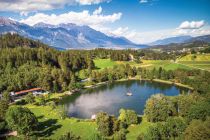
(141, 21)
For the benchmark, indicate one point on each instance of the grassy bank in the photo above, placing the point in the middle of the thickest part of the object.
(135, 130)
(52, 126)
(137, 78)
(170, 82)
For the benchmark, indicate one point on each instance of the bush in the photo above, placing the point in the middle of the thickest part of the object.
(52, 104)
(174, 128)
(104, 124)
(30, 98)
(159, 108)
(69, 136)
(198, 130)
(3, 126)
(128, 116)
(153, 133)
(199, 111)
(120, 135)
(21, 120)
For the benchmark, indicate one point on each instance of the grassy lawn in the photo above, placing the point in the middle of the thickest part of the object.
(131, 63)
(104, 63)
(52, 126)
(135, 130)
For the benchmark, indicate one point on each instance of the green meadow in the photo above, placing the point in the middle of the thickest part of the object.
(199, 61)
(104, 63)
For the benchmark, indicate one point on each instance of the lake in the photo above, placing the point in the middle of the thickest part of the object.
(112, 97)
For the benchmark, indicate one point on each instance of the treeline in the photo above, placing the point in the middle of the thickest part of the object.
(194, 78)
(157, 55)
(115, 55)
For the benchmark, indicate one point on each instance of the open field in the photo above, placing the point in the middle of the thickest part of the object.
(200, 61)
(195, 57)
(166, 64)
(205, 65)
(104, 63)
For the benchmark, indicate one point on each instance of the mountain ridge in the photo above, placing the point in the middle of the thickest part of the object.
(180, 39)
(66, 36)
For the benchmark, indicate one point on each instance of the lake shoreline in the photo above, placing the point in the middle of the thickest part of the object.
(137, 78)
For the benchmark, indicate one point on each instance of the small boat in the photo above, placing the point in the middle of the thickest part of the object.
(129, 94)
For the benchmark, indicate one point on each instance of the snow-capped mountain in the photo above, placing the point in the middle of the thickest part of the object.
(66, 36)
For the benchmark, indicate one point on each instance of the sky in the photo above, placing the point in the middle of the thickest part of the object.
(141, 21)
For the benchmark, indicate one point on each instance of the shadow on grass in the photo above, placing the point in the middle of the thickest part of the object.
(139, 119)
(40, 117)
(47, 127)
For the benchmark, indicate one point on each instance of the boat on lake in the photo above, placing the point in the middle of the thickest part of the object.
(129, 93)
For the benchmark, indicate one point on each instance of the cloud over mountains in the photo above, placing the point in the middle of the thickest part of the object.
(192, 24)
(95, 19)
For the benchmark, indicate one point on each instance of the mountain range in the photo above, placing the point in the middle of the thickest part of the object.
(180, 39)
(72, 36)
(66, 36)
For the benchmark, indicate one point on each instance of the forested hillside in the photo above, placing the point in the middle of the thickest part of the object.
(15, 40)
(25, 64)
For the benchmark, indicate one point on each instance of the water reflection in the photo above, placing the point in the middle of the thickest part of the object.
(112, 97)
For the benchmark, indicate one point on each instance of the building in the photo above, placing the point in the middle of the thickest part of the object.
(34, 91)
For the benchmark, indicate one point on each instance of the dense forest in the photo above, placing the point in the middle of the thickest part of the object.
(37, 66)
(26, 63)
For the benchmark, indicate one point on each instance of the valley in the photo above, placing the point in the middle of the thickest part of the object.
(104, 70)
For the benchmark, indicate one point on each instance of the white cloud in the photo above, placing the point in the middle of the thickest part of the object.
(150, 36)
(81, 18)
(41, 5)
(143, 1)
(89, 2)
(192, 24)
(98, 11)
